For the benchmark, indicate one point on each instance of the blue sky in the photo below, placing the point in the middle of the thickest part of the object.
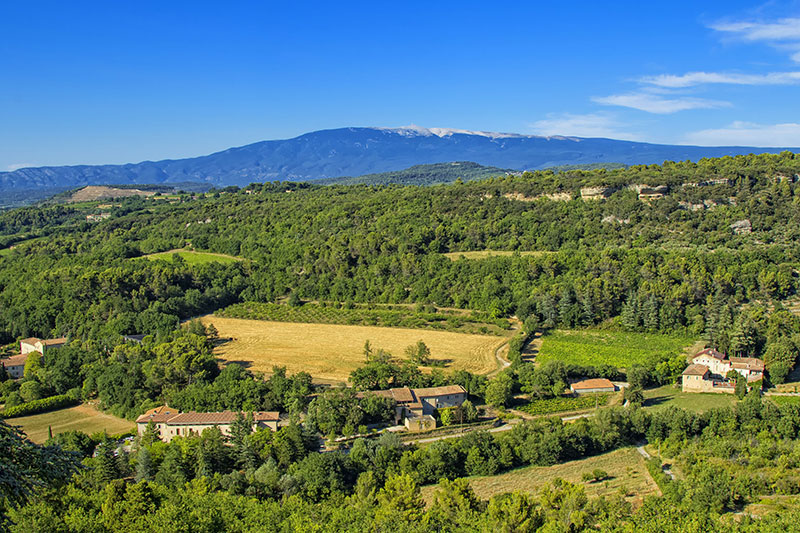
(115, 82)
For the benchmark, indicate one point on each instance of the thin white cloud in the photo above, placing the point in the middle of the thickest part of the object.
(692, 79)
(17, 166)
(781, 30)
(589, 125)
(748, 134)
(783, 33)
(653, 103)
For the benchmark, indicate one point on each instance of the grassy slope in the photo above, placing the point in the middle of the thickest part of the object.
(81, 417)
(625, 466)
(333, 351)
(784, 400)
(691, 401)
(194, 258)
(593, 347)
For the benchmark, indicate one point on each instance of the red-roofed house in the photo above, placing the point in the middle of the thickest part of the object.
(709, 372)
(588, 386)
(714, 360)
(172, 423)
(415, 407)
(32, 344)
(15, 365)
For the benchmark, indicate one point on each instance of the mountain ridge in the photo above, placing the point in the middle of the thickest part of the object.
(357, 151)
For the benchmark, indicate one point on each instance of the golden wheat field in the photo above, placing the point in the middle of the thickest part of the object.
(331, 352)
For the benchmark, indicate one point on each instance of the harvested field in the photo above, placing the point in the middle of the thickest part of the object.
(625, 467)
(331, 352)
(98, 192)
(81, 418)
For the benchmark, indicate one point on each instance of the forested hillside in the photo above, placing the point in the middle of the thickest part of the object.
(705, 250)
(433, 174)
(674, 261)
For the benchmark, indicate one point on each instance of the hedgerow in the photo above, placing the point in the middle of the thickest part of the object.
(40, 406)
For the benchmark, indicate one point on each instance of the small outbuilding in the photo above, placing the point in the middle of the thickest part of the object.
(588, 386)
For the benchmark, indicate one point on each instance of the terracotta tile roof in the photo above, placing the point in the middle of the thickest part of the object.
(30, 340)
(15, 360)
(439, 391)
(222, 417)
(748, 363)
(695, 370)
(158, 415)
(758, 376)
(402, 395)
(405, 396)
(193, 418)
(595, 383)
(710, 352)
(54, 342)
(173, 416)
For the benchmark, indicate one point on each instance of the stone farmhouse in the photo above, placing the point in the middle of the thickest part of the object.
(32, 344)
(415, 407)
(15, 365)
(709, 369)
(172, 423)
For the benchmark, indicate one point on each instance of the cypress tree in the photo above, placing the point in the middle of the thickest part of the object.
(106, 461)
(630, 312)
(144, 465)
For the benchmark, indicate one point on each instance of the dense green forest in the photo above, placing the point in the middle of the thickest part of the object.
(440, 173)
(655, 265)
(713, 254)
(432, 174)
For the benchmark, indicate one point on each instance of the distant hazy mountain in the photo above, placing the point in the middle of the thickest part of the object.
(359, 151)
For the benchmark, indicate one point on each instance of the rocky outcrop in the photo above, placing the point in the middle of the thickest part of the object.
(742, 227)
(650, 192)
(597, 193)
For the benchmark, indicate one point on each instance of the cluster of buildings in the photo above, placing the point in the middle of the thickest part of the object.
(15, 365)
(415, 407)
(172, 423)
(708, 372)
